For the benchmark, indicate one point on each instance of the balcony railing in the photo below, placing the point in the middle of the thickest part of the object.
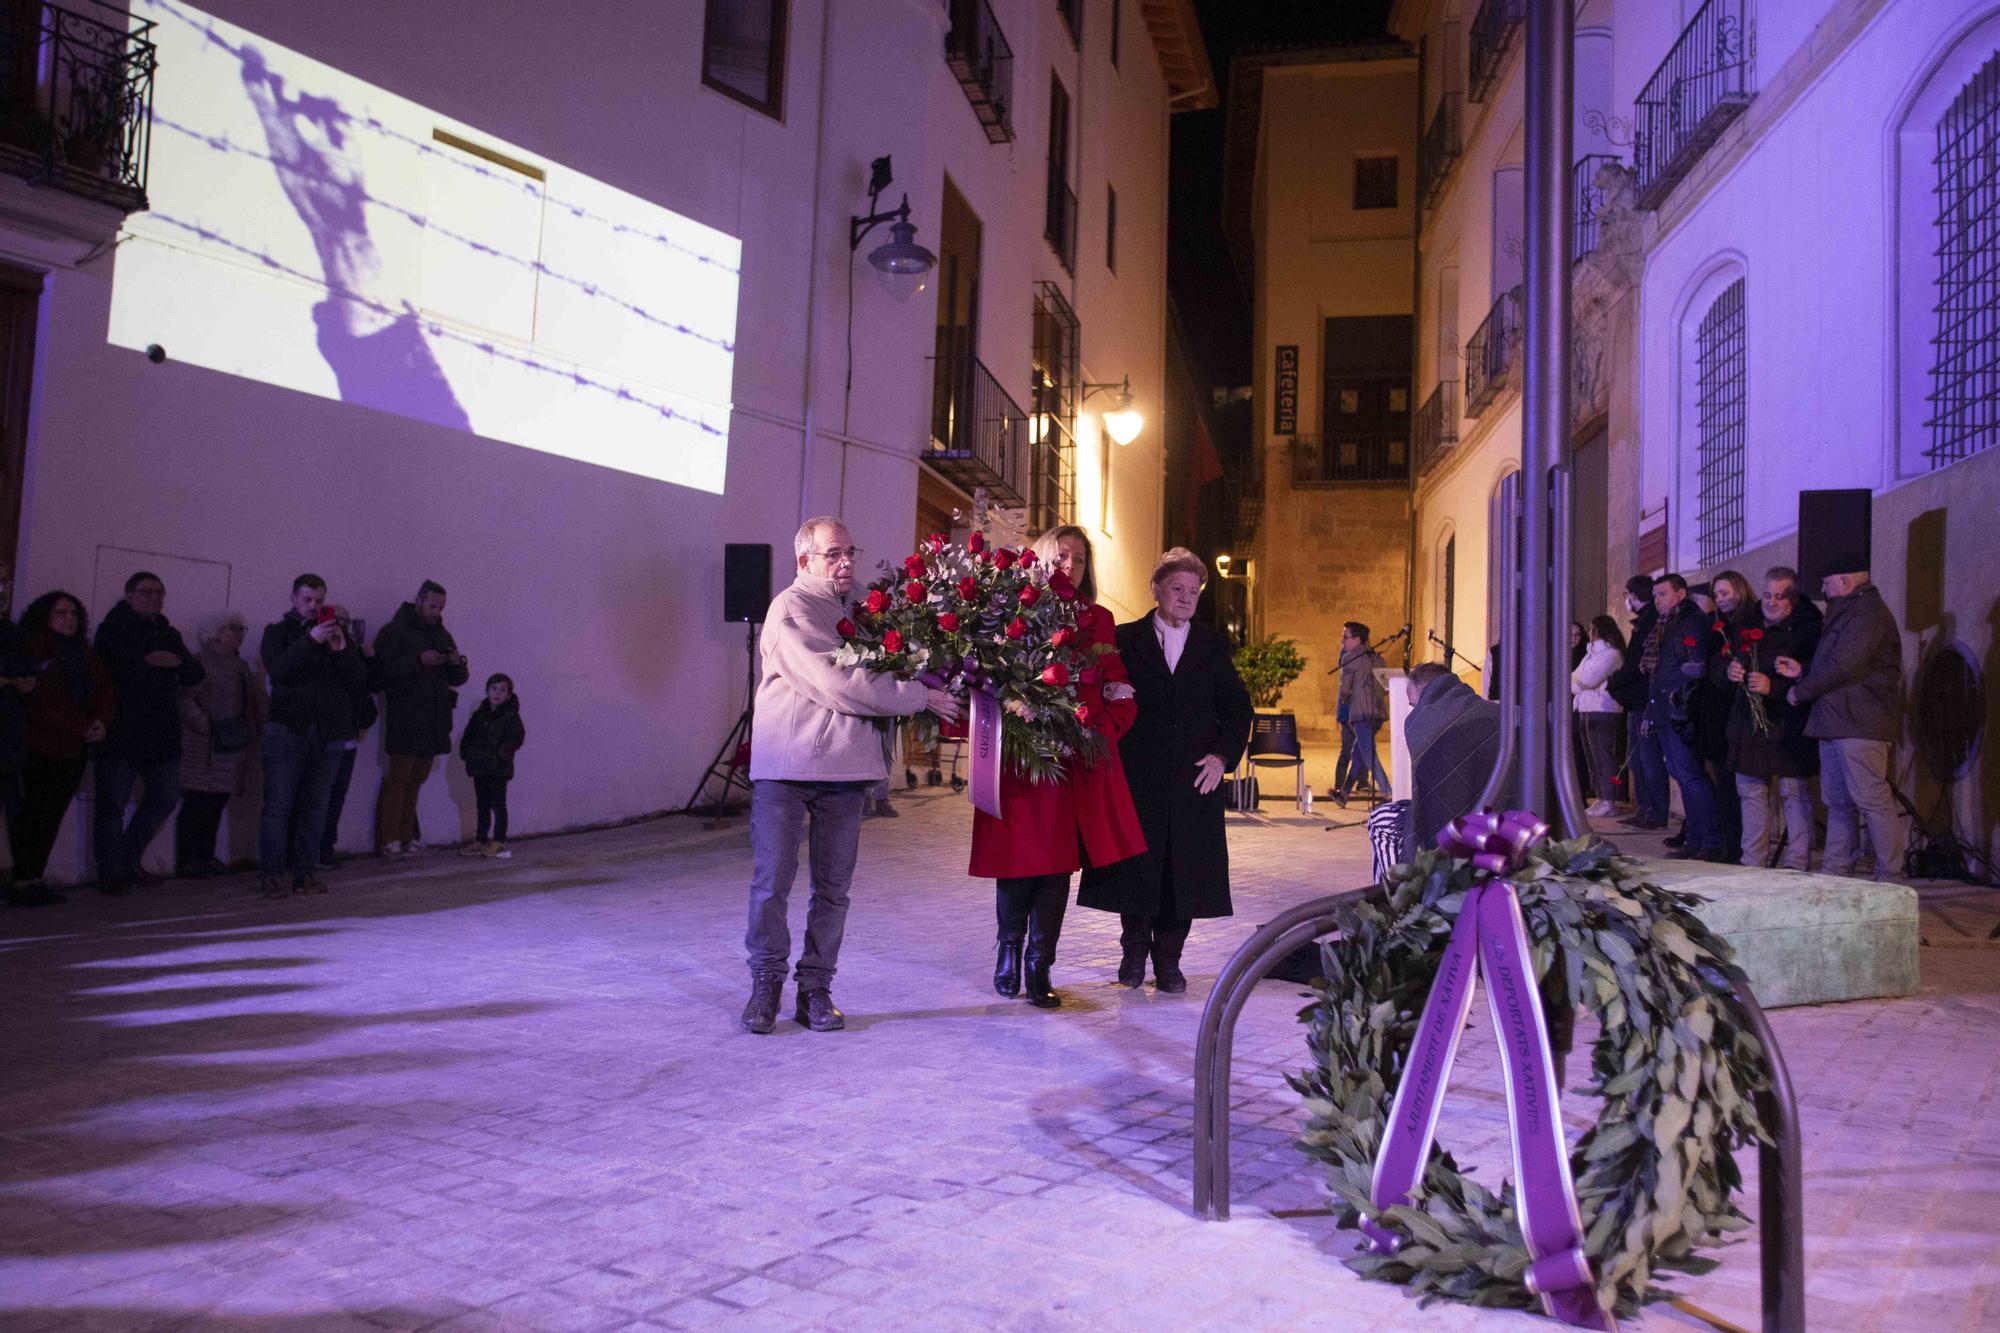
(1350, 456)
(1436, 426)
(1060, 227)
(979, 435)
(1702, 85)
(1438, 151)
(1246, 495)
(1493, 29)
(979, 56)
(1589, 197)
(1492, 358)
(76, 101)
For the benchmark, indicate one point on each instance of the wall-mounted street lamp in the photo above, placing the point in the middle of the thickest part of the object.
(1222, 564)
(1124, 421)
(901, 262)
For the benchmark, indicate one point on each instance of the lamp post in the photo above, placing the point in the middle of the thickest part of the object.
(902, 263)
(1124, 421)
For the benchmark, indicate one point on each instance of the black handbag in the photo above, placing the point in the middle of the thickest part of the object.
(231, 735)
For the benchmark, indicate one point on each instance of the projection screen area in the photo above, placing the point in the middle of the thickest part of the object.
(312, 231)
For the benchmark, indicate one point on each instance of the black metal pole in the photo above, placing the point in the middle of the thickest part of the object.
(1545, 392)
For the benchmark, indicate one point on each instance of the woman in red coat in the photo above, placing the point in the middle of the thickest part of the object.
(1051, 829)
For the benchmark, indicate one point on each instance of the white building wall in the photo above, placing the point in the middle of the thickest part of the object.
(599, 591)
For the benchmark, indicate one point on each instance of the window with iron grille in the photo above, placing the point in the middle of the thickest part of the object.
(1719, 422)
(1375, 182)
(743, 52)
(1965, 367)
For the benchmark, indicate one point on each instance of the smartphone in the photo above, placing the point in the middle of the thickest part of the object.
(326, 616)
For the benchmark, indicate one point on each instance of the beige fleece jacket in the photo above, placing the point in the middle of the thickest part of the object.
(814, 721)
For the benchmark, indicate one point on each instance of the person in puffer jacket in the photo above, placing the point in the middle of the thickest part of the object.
(1598, 715)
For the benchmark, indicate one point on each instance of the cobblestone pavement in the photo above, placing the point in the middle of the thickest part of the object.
(464, 1094)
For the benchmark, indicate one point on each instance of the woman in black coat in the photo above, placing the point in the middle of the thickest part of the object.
(1194, 720)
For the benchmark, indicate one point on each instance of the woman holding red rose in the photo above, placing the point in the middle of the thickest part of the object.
(1050, 829)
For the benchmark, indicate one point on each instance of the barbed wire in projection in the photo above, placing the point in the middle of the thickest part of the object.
(434, 329)
(224, 144)
(510, 179)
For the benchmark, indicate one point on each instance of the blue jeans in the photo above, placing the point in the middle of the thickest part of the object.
(778, 812)
(1648, 768)
(1365, 762)
(120, 845)
(1697, 792)
(299, 770)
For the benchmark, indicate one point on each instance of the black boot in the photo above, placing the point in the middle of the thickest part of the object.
(1168, 940)
(816, 1010)
(766, 992)
(1007, 967)
(1135, 937)
(1044, 927)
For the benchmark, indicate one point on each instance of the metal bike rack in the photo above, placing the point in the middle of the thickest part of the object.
(1781, 1175)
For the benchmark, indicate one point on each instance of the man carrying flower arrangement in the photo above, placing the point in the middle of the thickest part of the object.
(1768, 744)
(816, 747)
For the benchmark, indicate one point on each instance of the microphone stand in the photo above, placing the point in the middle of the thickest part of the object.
(1367, 648)
(1451, 651)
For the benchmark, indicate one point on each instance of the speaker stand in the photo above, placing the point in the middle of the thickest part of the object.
(730, 760)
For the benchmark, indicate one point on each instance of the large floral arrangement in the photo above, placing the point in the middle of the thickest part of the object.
(983, 618)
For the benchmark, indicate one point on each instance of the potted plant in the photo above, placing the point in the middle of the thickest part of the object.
(1267, 666)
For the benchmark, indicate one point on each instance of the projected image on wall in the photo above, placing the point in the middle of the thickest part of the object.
(312, 231)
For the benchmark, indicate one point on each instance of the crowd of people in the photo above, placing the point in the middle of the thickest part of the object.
(189, 731)
(1142, 819)
(1739, 699)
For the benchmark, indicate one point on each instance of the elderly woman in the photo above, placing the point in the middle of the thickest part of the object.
(1049, 829)
(221, 719)
(1194, 719)
(69, 711)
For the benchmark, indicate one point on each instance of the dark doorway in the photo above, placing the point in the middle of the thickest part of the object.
(20, 305)
(957, 316)
(1590, 486)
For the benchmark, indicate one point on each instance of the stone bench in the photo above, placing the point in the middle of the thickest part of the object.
(1805, 939)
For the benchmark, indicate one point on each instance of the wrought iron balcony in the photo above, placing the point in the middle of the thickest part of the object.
(1702, 85)
(978, 54)
(1438, 151)
(979, 435)
(1589, 197)
(1246, 495)
(76, 101)
(1350, 456)
(1492, 358)
(1437, 426)
(1493, 30)
(1060, 227)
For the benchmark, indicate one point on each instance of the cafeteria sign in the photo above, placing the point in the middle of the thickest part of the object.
(1286, 420)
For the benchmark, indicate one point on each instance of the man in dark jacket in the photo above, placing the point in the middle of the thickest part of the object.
(17, 682)
(1367, 706)
(1454, 740)
(149, 665)
(1645, 765)
(1780, 756)
(1686, 643)
(315, 670)
(418, 668)
(1854, 686)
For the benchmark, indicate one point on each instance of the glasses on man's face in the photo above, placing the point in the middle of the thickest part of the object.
(840, 553)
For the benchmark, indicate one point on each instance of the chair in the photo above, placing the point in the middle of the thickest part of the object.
(1274, 743)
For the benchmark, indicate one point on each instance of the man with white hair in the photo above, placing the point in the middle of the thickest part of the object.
(816, 747)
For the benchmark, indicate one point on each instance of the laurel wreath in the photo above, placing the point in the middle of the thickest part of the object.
(1674, 1063)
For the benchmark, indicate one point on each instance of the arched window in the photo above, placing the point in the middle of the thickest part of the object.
(1719, 366)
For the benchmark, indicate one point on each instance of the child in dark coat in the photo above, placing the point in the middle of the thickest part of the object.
(492, 734)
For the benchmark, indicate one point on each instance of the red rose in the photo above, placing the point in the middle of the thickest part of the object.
(878, 601)
(1030, 595)
(1754, 635)
(1061, 586)
(936, 542)
(892, 640)
(1688, 642)
(913, 563)
(1083, 714)
(845, 629)
(948, 622)
(915, 591)
(1027, 557)
(1061, 638)
(976, 542)
(1004, 558)
(1016, 627)
(968, 588)
(1055, 673)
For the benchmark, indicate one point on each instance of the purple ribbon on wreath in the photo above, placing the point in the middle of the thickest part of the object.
(982, 736)
(1490, 938)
